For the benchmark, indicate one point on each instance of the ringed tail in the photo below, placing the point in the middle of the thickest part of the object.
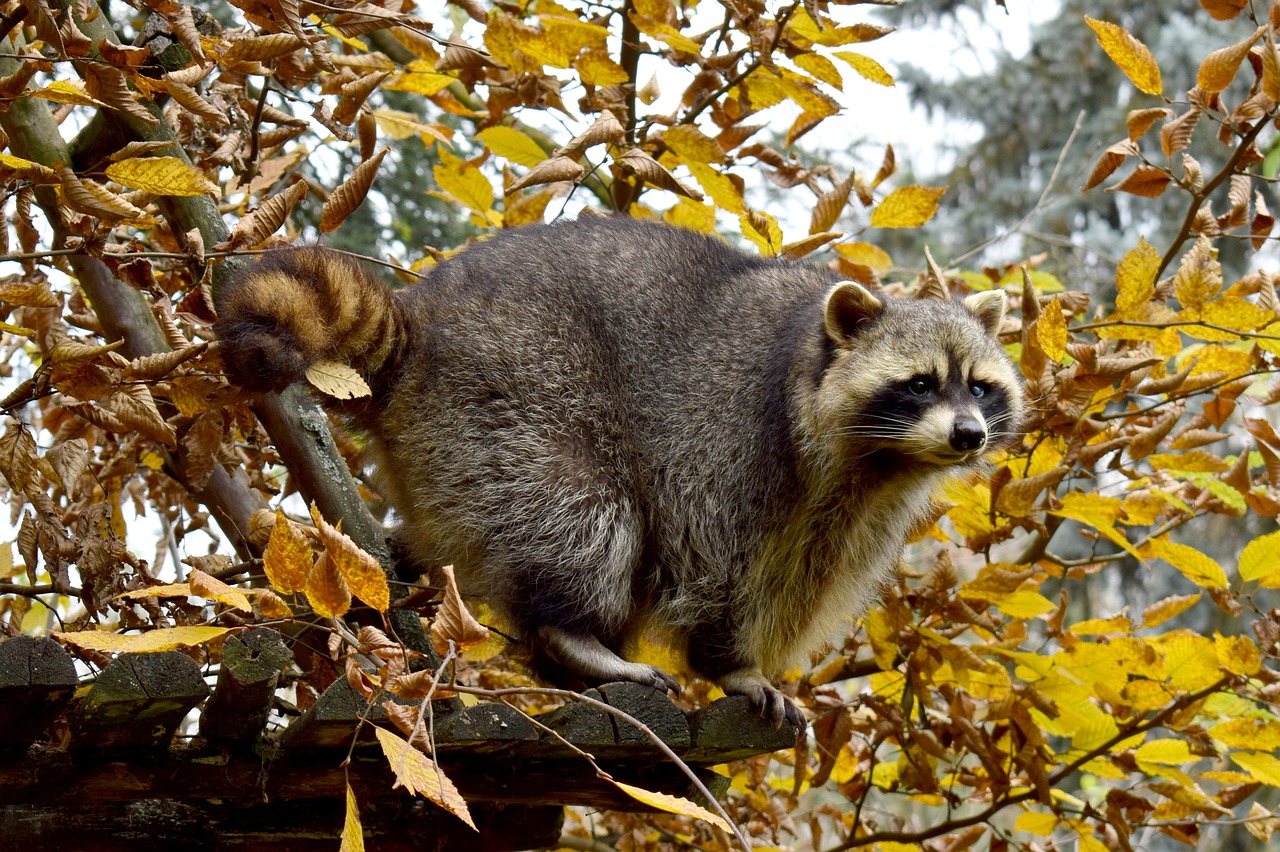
(299, 306)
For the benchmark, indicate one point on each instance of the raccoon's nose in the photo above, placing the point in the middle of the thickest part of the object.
(967, 434)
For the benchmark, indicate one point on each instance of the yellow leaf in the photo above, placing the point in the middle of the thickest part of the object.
(512, 144)
(1165, 609)
(1199, 276)
(418, 774)
(288, 559)
(337, 380)
(163, 176)
(1260, 561)
(597, 68)
(866, 254)
(692, 145)
(420, 77)
(718, 186)
(1024, 604)
(822, 68)
(695, 216)
(401, 125)
(352, 833)
(1168, 751)
(165, 639)
(865, 66)
(1255, 734)
(1131, 55)
(674, 805)
(1200, 569)
(1191, 661)
(1238, 654)
(1036, 822)
(1136, 278)
(907, 207)
(762, 229)
(1101, 626)
(68, 92)
(363, 574)
(271, 605)
(1089, 843)
(464, 182)
(169, 590)
(1051, 331)
(208, 586)
(326, 591)
(1263, 767)
(1192, 461)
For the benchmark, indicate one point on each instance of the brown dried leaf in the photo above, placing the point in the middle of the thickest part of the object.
(453, 622)
(1145, 181)
(1111, 159)
(349, 195)
(134, 406)
(271, 605)
(888, 166)
(1224, 10)
(201, 443)
(69, 460)
(1139, 121)
(1263, 222)
(184, 27)
(605, 129)
(263, 48)
(1175, 135)
(807, 245)
(326, 591)
(107, 84)
(548, 171)
(652, 172)
(13, 85)
(829, 206)
(86, 196)
(355, 93)
(288, 559)
(192, 102)
(152, 367)
(1238, 195)
(363, 574)
(1145, 442)
(18, 457)
(263, 222)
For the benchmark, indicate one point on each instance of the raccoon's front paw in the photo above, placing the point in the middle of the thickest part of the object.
(772, 704)
(661, 681)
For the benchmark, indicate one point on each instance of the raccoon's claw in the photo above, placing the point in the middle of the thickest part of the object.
(774, 707)
(662, 681)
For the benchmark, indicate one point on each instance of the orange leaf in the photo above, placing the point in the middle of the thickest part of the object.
(418, 774)
(453, 620)
(326, 590)
(208, 586)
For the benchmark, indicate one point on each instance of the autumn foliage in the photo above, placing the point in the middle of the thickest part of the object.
(985, 703)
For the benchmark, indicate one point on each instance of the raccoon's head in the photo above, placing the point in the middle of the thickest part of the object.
(922, 379)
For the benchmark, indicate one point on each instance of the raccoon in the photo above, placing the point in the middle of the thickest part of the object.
(608, 426)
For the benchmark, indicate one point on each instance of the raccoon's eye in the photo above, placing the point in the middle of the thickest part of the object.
(978, 389)
(919, 386)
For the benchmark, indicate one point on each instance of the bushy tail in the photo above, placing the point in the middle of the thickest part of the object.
(299, 306)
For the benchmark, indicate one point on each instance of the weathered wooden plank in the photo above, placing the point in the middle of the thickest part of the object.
(486, 728)
(332, 721)
(46, 777)
(653, 709)
(730, 729)
(137, 703)
(37, 679)
(399, 825)
(251, 666)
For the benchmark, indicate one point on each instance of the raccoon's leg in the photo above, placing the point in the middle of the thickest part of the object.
(589, 659)
(712, 653)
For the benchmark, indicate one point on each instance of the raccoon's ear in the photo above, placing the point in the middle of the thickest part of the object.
(988, 307)
(849, 303)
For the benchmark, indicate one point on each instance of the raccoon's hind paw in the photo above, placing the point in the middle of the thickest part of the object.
(775, 707)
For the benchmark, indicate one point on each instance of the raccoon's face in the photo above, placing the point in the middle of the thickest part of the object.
(922, 379)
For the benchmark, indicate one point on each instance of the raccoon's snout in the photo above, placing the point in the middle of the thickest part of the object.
(967, 435)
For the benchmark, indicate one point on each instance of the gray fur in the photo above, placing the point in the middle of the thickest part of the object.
(667, 428)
